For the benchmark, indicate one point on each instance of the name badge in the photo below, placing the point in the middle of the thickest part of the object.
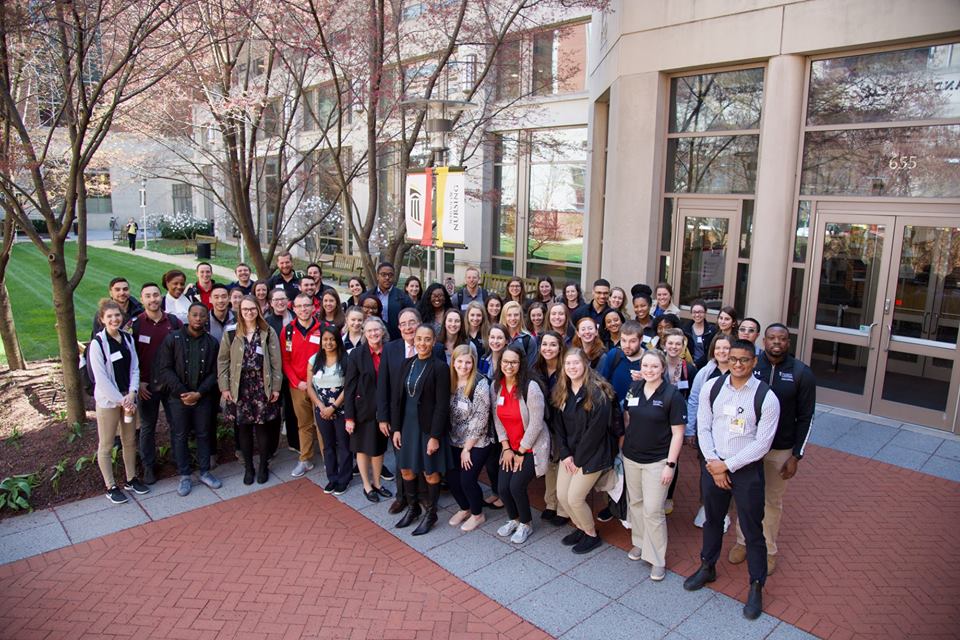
(315, 339)
(278, 286)
(683, 384)
(633, 402)
(700, 339)
(231, 327)
(499, 401)
(737, 426)
(259, 351)
(144, 339)
(116, 355)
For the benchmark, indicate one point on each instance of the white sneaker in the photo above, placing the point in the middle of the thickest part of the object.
(521, 534)
(507, 530)
(726, 523)
(301, 468)
(658, 573)
(700, 518)
(635, 554)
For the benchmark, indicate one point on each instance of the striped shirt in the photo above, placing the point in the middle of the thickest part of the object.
(744, 443)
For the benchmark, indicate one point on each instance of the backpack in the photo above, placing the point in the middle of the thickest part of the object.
(86, 372)
(758, 395)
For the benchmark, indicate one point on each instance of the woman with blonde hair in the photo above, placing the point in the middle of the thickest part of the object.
(469, 436)
(512, 316)
(249, 374)
(588, 339)
(477, 324)
(585, 431)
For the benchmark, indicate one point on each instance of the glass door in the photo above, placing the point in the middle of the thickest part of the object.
(708, 260)
(849, 279)
(917, 372)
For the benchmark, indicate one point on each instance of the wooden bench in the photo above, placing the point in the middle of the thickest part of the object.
(343, 267)
(190, 244)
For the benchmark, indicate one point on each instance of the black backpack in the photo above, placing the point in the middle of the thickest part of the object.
(86, 372)
(758, 395)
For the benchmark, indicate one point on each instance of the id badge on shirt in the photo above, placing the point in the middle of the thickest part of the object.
(499, 401)
(633, 402)
(278, 286)
(738, 423)
(145, 339)
(683, 384)
(315, 339)
(116, 355)
(259, 351)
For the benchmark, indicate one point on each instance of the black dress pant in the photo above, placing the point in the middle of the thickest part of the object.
(132, 241)
(268, 436)
(747, 489)
(463, 482)
(513, 490)
(198, 418)
(289, 416)
(493, 468)
(149, 413)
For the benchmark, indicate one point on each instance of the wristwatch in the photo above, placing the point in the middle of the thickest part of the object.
(672, 465)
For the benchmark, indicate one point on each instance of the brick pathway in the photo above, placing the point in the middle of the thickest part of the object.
(867, 549)
(286, 562)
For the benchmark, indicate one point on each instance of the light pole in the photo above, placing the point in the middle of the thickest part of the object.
(143, 209)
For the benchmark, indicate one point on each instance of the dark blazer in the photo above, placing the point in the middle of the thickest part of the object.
(434, 409)
(360, 385)
(170, 365)
(709, 331)
(391, 361)
(587, 436)
(397, 300)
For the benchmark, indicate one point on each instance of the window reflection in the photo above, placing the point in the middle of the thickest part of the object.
(559, 57)
(910, 84)
(725, 164)
(849, 275)
(716, 101)
(558, 167)
(505, 194)
(928, 284)
(704, 260)
(896, 161)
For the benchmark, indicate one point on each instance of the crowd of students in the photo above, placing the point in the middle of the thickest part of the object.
(588, 395)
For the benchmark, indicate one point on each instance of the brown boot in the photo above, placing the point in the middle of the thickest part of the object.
(737, 554)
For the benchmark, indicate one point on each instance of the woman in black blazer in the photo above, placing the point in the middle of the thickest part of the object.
(699, 334)
(419, 423)
(360, 408)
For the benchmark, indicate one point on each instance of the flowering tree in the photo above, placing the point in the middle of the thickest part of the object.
(67, 69)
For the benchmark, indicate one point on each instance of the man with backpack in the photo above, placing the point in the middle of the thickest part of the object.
(736, 422)
(471, 291)
(150, 329)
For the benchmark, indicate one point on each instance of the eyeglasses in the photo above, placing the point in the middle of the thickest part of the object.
(248, 310)
(746, 360)
(510, 363)
(747, 330)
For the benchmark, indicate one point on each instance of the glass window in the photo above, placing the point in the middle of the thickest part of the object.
(388, 178)
(557, 171)
(703, 267)
(99, 191)
(796, 298)
(559, 60)
(271, 120)
(716, 101)
(323, 108)
(387, 100)
(507, 83)
(270, 194)
(896, 161)
(840, 366)
(505, 198)
(725, 164)
(182, 198)
(909, 84)
(740, 293)
(666, 231)
(849, 275)
(746, 229)
(416, 77)
(802, 235)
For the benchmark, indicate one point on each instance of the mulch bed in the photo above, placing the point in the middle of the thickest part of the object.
(32, 403)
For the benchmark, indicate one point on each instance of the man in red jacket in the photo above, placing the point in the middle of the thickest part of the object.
(299, 341)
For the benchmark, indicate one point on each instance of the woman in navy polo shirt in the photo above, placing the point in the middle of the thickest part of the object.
(655, 414)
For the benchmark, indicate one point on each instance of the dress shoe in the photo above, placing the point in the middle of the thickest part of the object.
(149, 476)
(383, 492)
(559, 521)
(572, 538)
(412, 513)
(263, 473)
(587, 544)
(738, 553)
(754, 606)
(248, 476)
(397, 506)
(372, 495)
(771, 565)
(548, 515)
(426, 523)
(706, 573)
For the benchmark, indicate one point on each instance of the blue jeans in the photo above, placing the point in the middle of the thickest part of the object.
(198, 418)
(337, 459)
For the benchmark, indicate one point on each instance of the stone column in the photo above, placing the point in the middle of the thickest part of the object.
(772, 242)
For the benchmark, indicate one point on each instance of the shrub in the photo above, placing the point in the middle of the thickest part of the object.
(183, 226)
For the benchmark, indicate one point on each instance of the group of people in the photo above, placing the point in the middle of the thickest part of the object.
(586, 394)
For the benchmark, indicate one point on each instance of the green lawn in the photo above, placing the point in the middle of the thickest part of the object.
(28, 281)
(227, 254)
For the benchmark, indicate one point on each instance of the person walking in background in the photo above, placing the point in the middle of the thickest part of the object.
(586, 430)
(469, 436)
(112, 359)
(249, 373)
(132, 229)
(524, 440)
(186, 372)
(367, 440)
(328, 369)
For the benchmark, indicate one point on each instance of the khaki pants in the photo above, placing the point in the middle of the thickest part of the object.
(303, 407)
(648, 522)
(550, 490)
(774, 488)
(109, 422)
(572, 490)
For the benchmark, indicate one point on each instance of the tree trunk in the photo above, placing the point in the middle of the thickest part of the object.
(8, 332)
(67, 337)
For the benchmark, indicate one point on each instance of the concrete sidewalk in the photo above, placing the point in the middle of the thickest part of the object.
(187, 263)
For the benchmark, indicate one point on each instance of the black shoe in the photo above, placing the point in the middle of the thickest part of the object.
(587, 544)
(572, 538)
(409, 516)
(548, 515)
(559, 521)
(493, 505)
(754, 606)
(356, 469)
(386, 474)
(329, 487)
(116, 496)
(384, 492)
(136, 486)
(263, 473)
(340, 489)
(149, 476)
(372, 495)
(248, 476)
(605, 515)
(706, 573)
(397, 506)
(429, 519)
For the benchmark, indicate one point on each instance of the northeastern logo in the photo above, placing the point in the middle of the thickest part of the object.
(415, 213)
